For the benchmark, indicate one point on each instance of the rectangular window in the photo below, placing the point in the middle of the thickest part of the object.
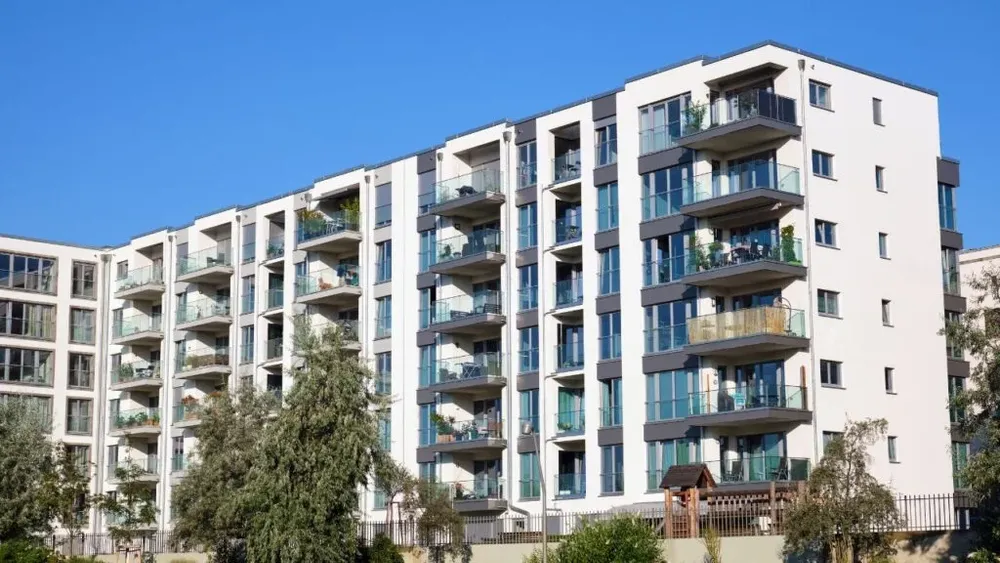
(249, 243)
(428, 365)
(952, 350)
(383, 322)
(383, 261)
(609, 276)
(426, 427)
(819, 94)
(528, 290)
(612, 469)
(428, 249)
(663, 191)
(81, 329)
(828, 302)
(880, 178)
(427, 471)
(27, 367)
(426, 190)
(611, 335)
(883, 245)
(83, 279)
(527, 165)
(121, 270)
(528, 349)
(28, 320)
(664, 258)
(81, 371)
(383, 205)
(246, 344)
(891, 441)
(529, 409)
(31, 273)
(607, 207)
(40, 405)
(78, 416)
(960, 452)
(662, 455)
(829, 373)
(611, 402)
(428, 296)
(385, 429)
(607, 145)
(383, 373)
(822, 164)
(249, 292)
(530, 483)
(666, 325)
(877, 111)
(660, 124)
(829, 437)
(671, 394)
(956, 385)
(886, 312)
(826, 233)
(890, 386)
(946, 207)
(527, 226)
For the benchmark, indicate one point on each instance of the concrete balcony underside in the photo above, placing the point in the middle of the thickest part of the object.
(747, 273)
(751, 416)
(757, 344)
(188, 422)
(470, 324)
(336, 296)
(149, 384)
(481, 505)
(335, 243)
(212, 323)
(141, 338)
(148, 431)
(474, 265)
(740, 134)
(204, 373)
(744, 201)
(472, 385)
(468, 446)
(144, 292)
(211, 274)
(476, 206)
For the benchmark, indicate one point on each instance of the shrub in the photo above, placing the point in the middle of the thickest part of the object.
(621, 539)
(383, 550)
(20, 551)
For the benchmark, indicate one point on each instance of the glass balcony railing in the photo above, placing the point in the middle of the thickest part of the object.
(202, 358)
(570, 422)
(342, 276)
(757, 395)
(275, 247)
(757, 175)
(607, 218)
(530, 488)
(665, 338)
(952, 282)
(463, 246)
(346, 328)
(140, 277)
(744, 323)
(247, 303)
(480, 488)
(569, 293)
(318, 227)
(249, 253)
(566, 167)
(611, 416)
(383, 327)
(527, 237)
(664, 202)
(612, 482)
(135, 418)
(383, 215)
(947, 216)
(527, 298)
(756, 468)
(659, 138)
(610, 346)
(275, 298)
(527, 360)
(204, 259)
(661, 271)
(608, 282)
(606, 153)
(463, 368)
(571, 485)
(447, 429)
(136, 324)
(484, 181)
(136, 371)
(527, 175)
(669, 409)
(179, 462)
(275, 348)
(383, 270)
(569, 356)
(737, 107)
(568, 229)
(742, 250)
(203, 309)
(189, 409)
(246, 352)
(150, 465)
(463, 306)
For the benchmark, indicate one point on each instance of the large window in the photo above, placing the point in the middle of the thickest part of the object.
(607, 207)
(428, 249)
(663, 258)
(78, 416)
(956, 385)
(81, 371)
(84, 274)
(529, 408)
(612, 469)
(663, 191)
(42, 406)
(530, 482)
(946, 207)
(30, 367)
(383, 373)
(611, 402)
(81, 328)
(611, 335)
(527, 226)
(246, 344)
(33, 273)
(819, 94)
(428, 296)
(660, 124)
(428, 365)
(662, 455)
(826, 233)
(383, 205)
(609, 277)
(528, 290)
(527, 165)
(249, 291)
(952, 350)
(426, 427)
(670, 394)
(959, 460)
(383, 321)
(528, 349)
(666, 325)
(29, 320)
(383, 261)
(949, 271)
(607, 145)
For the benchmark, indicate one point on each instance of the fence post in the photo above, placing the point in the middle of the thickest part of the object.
(693, 509)
(668, 509)
(774, 509)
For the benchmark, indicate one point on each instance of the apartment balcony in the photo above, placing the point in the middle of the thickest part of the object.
(141, 330)
(474, 196)
(341, 233)
(347, 329)
(142, 284)
(274, 353)
(205, 315)
(761, 185)
(482, 494)
(760, 330)
(149, 468)
(744, 262)
(475, 374)
(275, 303)
(570, 486)
(566, 172)
(755, 403)
(568, 236)
(570, 425)
(468, 437)
(758, 468)
(274, 254)
(212, 265)
(137, 376)
(188, 414)
(569, 360)
(179, 465)
(337, 287)
(209, 364)
(477, 314)
(746, 119)
(568, 293)
(477, 254)
(135, 422)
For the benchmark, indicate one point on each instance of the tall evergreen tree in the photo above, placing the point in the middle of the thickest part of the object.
(25, 460)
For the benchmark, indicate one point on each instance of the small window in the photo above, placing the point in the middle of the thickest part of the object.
(886, 312)
(892, 450)
(889, 385)
(829, 437)
(822, 164)
(826, 233)
(829, 302)
(880, 178)
(829, 373)
(883, 245)
(819, 94)
(877, 111)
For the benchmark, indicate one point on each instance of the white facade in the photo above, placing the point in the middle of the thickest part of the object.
(750, 403)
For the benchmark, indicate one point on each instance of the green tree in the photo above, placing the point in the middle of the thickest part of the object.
(396, 481)
(130, 509)
(621, 539)
(315, 459)
(66, 488)
(207, 505)
(978, 333)
(25, 460)
(439, 527)
(844, 503)
(383, 551)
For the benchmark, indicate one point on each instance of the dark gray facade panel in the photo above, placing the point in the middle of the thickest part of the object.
(604, 107)
(668, 430)
(958, 368)
(609, 369)
(606, 174)
(426, 223)
(605, 239)
(527, 381)
(426, 162)
(666, 293)
(426, 337)
(668, 361)
(665, 226)
(426, 279)
(954, 303)
(425, 455)
(663, 159)
(526, 444)
(524, 196)
(609, 436)
(526, 257)
(609, 303)
(947, 172)
(524, 132)
(527, 318)
(951, 239)
(426, 396)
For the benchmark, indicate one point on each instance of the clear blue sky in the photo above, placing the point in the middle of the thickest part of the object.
(117, 117)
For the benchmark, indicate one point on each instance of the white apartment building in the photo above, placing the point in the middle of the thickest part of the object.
(722, 261)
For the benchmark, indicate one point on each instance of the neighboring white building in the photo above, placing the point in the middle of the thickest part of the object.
(723, 260)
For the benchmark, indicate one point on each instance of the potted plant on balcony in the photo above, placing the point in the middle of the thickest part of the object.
(125, 373)
(695, 114)
(311, 222)
(139, 419)
(715, 253)
(564, 426)
(445, 427)
(154, 419)
(352, 210)
(788, 254)
(697, 258)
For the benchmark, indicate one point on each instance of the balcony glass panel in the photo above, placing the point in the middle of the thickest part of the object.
(570, 422)
(478, 182)
(757, 395)
(469, 430)
(569, 356)
(465, 368)
(757, 175)
(202, 357)
(482, 487)
(179, 462)
(139, 277)
(951, 280)
(568, 229)
(275, 247)
(527, 175)
(383, 215)
(665, 338)
(569, 292)
(746, 322)
(462, 306)
(571, 485)
(275, 348)
(136, 371)
(249, 253)
(136, 324)
(663, 271)
(338, 222)
(208, 258)
(606, 152)
(527, 298)
(742, 250)
(610, 346)
(755, 468)
(611, 417)
(135, 418)
(461, 246)
(948, 217)
(665, 203)
(566, 167)
(330, 278)
(275, 298)
(737, 107)
(203, 308)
